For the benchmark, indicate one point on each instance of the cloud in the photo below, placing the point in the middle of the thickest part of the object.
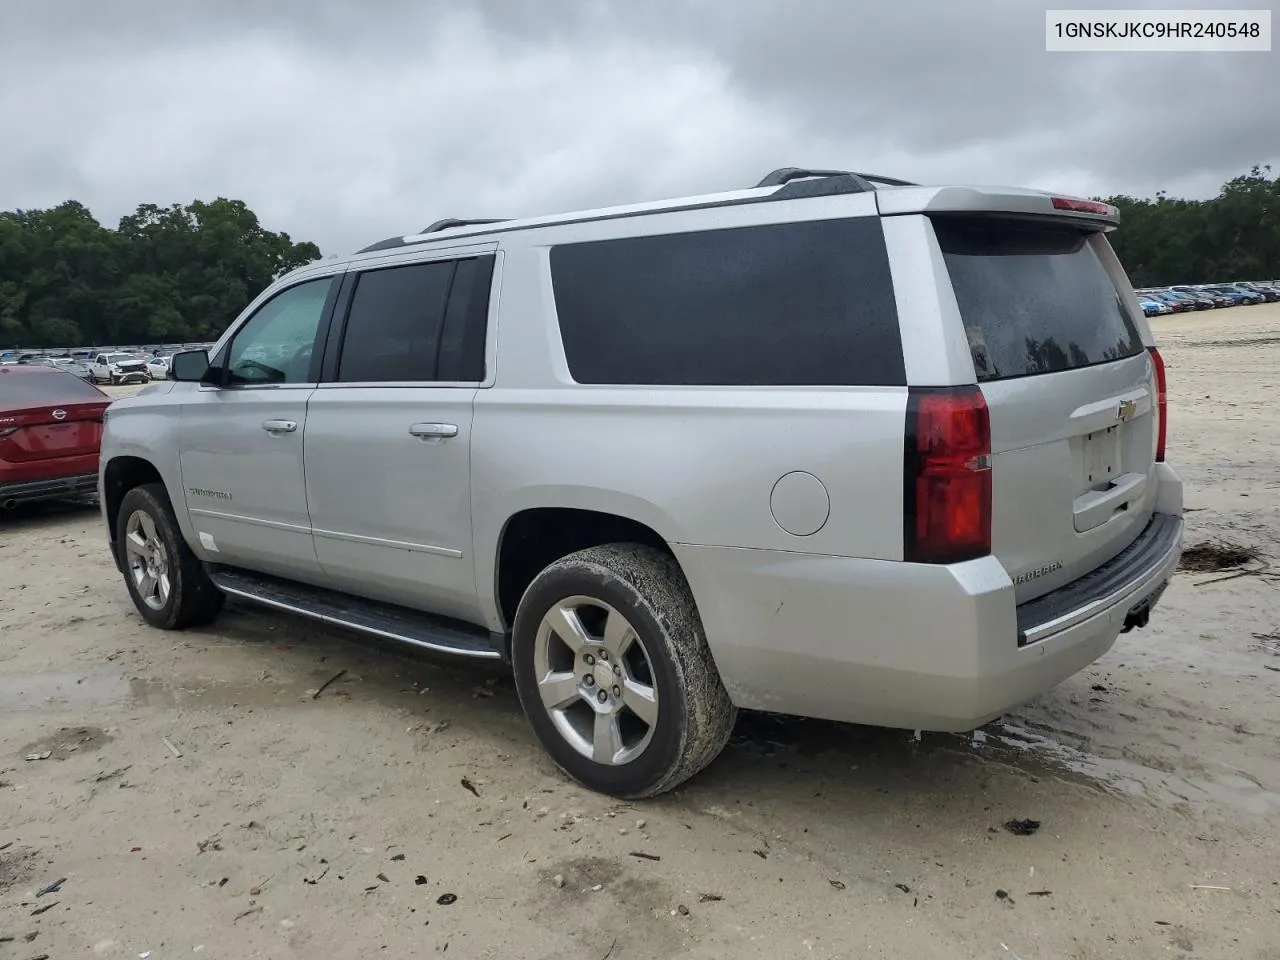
(346, 123)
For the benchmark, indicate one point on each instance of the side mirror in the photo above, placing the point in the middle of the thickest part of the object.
(190, 366)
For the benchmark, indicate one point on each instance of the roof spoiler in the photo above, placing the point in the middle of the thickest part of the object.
(1008, 201)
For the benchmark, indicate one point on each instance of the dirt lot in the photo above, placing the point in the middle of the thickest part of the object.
(294, 825)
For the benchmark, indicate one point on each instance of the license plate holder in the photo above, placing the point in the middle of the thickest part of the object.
(1101, 462)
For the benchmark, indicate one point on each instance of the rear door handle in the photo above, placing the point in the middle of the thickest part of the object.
(279, 426)
(433, 431)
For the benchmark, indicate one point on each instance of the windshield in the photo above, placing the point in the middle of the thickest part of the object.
(120, 357)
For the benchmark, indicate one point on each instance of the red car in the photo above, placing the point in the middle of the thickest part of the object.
(50, 431)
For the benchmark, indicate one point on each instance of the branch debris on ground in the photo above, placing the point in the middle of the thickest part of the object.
(1022, 828)
(325, 686)
(1216, 557)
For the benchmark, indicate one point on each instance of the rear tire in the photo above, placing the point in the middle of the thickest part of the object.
(166, 581)
(614, 672)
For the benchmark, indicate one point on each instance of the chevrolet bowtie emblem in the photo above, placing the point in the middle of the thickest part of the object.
(1127, 410)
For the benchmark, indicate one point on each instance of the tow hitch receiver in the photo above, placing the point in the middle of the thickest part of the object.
(1140, 613)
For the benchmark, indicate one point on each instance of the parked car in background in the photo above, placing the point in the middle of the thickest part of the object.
(1237, 296)
(1174, 301)
(116, 368)
(1202, 300)
(1191, 302)
(73, 367)
(1153, 307)
(1218, 299)
(157, 367)
(50, 431)
(1268, 292)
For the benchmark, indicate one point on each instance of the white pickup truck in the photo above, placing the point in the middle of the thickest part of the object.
(118, 368)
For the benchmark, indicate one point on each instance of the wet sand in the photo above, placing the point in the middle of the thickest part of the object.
(293, 826)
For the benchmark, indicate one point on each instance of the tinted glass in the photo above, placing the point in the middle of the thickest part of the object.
(393, 328)
(457, 362)
(1034, 299)
(52, 386)
(276, 344)
(778, 305)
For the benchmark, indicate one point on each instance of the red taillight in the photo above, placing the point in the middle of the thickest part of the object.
(947, 481)
(1081, 206)
(1162, 403)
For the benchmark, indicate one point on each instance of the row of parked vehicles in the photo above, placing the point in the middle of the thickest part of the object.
(137, 365)
(1206, 296)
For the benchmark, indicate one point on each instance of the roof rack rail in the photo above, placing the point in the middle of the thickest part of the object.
(449, 222)
(863, 181)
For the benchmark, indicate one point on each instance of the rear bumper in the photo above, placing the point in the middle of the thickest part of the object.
(1127, 583)
(911, 645)
(28, 491)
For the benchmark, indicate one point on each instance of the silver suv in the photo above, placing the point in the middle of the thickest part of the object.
(836, 445)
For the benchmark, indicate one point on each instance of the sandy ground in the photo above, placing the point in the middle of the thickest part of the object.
(332, 826)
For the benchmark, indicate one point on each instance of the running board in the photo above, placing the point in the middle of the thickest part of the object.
(386, 620)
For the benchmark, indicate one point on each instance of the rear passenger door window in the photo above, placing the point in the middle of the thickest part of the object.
(795, 304)
(421, 322)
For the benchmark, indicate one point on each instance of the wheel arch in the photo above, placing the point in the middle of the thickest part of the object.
(535, 537)
(120, 475)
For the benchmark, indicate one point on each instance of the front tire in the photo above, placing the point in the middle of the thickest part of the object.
(166, 581)
(614, 672)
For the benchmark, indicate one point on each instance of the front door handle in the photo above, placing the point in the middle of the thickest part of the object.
(279, 426)
(433, 431)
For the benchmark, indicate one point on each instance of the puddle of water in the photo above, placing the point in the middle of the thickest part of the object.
(1046, 753)
(66, 742)
(1231, 788)
(35, 691)
(40, 691)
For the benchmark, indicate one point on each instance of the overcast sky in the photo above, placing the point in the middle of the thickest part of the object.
(345, 122)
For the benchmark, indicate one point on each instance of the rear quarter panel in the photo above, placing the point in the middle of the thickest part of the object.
(697, 465)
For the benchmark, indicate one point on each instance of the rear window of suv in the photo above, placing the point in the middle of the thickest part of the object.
(1034, 299)
(796, 304)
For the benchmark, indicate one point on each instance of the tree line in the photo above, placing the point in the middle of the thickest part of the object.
(182, 273)
(163, 275)
(1233, 236)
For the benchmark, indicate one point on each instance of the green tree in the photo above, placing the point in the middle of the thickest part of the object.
(164, 274)
(1233, 236)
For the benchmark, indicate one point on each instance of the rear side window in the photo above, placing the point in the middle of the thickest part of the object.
(394, 325)
(1034, 299)
(55, 386)
(418, 323)
(798, 304)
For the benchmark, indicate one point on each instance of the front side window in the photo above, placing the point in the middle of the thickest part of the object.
(277, 343)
